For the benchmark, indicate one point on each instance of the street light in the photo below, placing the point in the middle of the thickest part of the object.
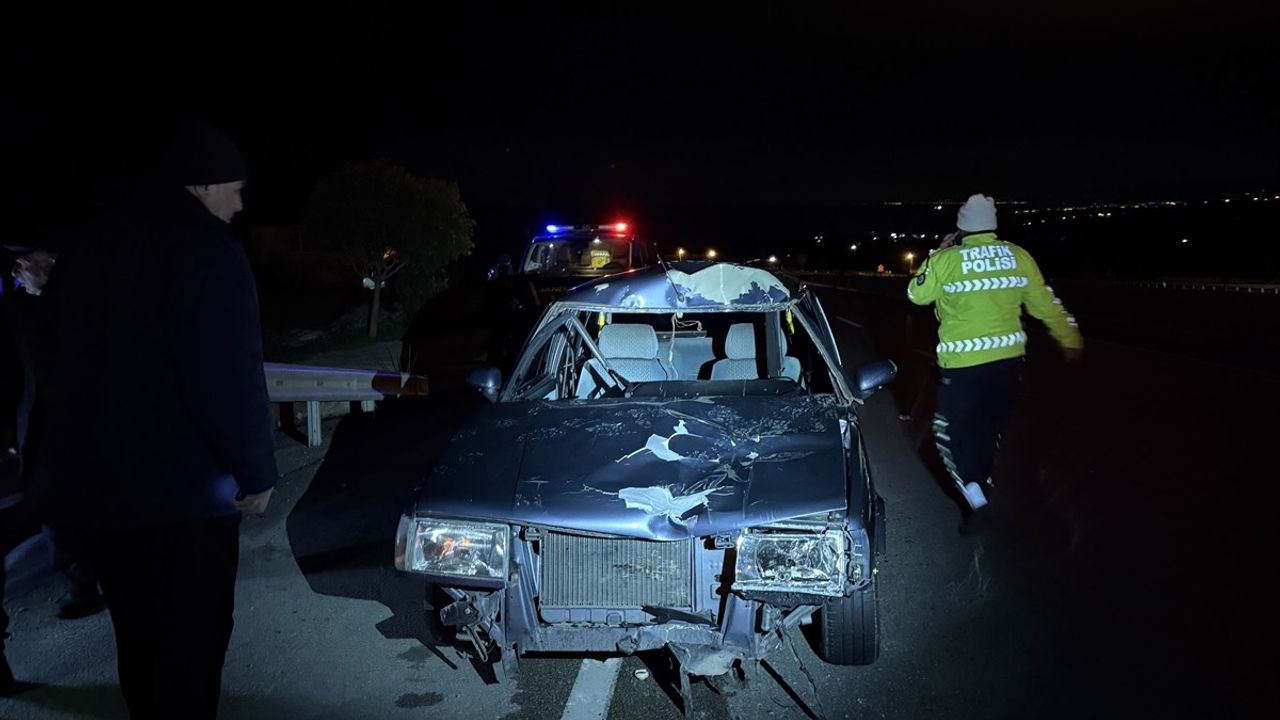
(911, 263)
(773, 259)
(680, 253)
(711, 254)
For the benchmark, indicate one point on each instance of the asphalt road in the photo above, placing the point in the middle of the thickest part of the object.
(1120, 576)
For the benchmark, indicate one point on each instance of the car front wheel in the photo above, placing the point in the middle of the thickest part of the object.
(849, 628)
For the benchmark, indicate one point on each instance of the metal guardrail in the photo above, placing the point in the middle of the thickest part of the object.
(288, 384)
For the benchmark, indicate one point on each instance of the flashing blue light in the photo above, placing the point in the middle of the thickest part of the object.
(553, 228)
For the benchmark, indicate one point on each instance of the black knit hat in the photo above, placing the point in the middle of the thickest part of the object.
(200, 155)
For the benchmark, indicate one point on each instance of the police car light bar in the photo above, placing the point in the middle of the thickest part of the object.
(620, 227)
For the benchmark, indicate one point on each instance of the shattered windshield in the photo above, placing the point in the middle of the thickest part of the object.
(590, 354)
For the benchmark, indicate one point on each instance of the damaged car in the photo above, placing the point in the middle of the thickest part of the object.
(675, 463)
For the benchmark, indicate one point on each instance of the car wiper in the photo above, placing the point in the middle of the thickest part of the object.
(595, 350)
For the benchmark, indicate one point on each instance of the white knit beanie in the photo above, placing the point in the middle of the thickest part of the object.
(977, 214)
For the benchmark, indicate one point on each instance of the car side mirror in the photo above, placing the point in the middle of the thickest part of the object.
(870, 377)
(488, 380)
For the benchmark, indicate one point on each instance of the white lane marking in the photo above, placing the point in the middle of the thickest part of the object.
(848, 321)
(593, 690)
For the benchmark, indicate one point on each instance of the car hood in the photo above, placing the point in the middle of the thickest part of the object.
(662, 469)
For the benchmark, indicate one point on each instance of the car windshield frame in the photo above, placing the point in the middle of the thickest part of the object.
(569, 316)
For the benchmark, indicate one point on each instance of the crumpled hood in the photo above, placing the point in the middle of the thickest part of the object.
(651, 468)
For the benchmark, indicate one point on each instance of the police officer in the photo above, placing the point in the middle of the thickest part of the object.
(978, 285)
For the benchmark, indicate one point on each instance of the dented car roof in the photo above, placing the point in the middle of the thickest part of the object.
(689, 285)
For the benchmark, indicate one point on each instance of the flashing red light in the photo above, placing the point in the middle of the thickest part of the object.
(620, 227)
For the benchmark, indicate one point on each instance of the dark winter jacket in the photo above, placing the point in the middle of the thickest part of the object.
(154, 405)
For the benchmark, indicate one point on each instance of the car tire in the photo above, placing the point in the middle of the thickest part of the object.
(849, 628)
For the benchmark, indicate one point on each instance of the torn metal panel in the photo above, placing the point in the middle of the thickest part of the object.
(660, 501)
(703, 660)
(688, 285)
(729, 285)
(662, 469)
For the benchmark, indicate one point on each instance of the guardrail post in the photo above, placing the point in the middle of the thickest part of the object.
(313, 424)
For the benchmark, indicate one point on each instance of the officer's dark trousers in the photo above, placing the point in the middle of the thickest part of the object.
(974, 405)
(171, 593)
(15, 527)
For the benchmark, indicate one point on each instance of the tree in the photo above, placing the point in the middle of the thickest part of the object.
(384, 222)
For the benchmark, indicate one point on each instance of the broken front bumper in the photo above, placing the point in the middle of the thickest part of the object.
(578, 593)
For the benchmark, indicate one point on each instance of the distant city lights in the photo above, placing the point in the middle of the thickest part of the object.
(864, 245)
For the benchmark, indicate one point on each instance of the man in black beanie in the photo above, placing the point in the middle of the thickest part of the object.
(156, 431)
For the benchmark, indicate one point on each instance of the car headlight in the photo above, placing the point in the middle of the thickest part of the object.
(792, 561)
(452, 547)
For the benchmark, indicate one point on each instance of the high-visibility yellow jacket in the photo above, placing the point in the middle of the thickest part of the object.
(978, 288)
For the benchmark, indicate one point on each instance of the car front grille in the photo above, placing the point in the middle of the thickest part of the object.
(579, 571)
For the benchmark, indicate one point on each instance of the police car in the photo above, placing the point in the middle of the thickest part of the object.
(554, 261)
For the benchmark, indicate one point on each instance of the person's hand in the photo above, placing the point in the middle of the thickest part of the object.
(949, 239)
(255, 504)
(32, 270)
(1073, 354)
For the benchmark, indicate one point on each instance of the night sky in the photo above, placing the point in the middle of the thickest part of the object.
(611, 112)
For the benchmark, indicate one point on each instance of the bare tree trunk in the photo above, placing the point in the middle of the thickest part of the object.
(375, 310)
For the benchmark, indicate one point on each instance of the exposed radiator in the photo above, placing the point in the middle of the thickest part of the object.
(582, 571)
